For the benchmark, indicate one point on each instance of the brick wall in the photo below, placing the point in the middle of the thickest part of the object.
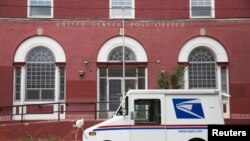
(144, 9)
(162, 40)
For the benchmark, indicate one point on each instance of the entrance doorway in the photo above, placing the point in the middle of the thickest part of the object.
(111, 86)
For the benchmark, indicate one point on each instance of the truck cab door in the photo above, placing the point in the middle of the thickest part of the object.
(147, 118)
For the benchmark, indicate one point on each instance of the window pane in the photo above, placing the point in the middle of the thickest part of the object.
(201, 2)
(121, 3)
(33, 95)
(102, 72)
(118, 12)
(208, 3)
(40, 2)
(201, 8)
(40, 11)
(201, 11)
(103, 94)
(17, 83)
(114, 94)
(141, 72)
(147, 111)
(47, 94)
(115, 72)
(141, 83)
(224, 80)
(130, 72)
(130, 84)
(194, 3)
(62, 83)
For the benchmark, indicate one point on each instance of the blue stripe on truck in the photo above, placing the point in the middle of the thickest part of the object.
(151, 128)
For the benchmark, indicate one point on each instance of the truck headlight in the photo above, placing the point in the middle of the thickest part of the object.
(92, 133)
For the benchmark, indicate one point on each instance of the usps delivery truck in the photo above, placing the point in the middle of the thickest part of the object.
(161, 115)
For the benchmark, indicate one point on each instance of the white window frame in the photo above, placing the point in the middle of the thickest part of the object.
(135, 46)
(204, 62)
(225, 98)
(39, 16)
(108, 46)
(212, 10)
(20, 57)
(132, 16)
(221, 57)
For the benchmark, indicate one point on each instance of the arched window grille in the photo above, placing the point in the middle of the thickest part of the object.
(202, 69)
(40, 74)
(117, 54)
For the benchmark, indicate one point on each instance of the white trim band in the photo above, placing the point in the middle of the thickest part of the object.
(217, 48)
(37, 41)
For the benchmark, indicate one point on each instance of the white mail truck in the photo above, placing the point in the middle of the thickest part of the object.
(161, 115)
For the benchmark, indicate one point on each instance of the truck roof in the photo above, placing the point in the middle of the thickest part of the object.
(173, 91)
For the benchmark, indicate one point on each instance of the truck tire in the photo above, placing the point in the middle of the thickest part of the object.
(197, 139)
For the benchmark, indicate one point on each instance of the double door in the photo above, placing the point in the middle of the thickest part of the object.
(115, 90)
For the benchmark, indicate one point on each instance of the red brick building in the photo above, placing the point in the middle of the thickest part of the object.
(71, 51)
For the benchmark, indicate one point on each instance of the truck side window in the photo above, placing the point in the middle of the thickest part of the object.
(147, 111)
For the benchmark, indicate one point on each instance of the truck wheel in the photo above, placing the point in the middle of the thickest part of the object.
(196, 139)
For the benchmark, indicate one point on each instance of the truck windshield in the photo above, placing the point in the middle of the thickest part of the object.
(120, 111)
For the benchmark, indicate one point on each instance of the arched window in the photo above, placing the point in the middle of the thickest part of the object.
(117, 54)
(40, 74)
(202, 69)
(206, 67)
(39, 77)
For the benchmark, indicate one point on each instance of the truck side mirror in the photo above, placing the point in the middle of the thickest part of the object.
(132, 115)
(124, 112)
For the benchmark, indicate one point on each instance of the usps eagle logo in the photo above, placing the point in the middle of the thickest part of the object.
(188, 108)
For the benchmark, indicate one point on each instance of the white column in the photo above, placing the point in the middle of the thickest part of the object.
(186, 77)
(219, 78)
(57, 84)
(23, 79)
(23, 93)
(57, 92)
(146, 78)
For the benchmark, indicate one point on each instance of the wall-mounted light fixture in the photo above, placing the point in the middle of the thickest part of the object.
(163, 72)
(86, 62)
(84, 70)
(81, 73)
